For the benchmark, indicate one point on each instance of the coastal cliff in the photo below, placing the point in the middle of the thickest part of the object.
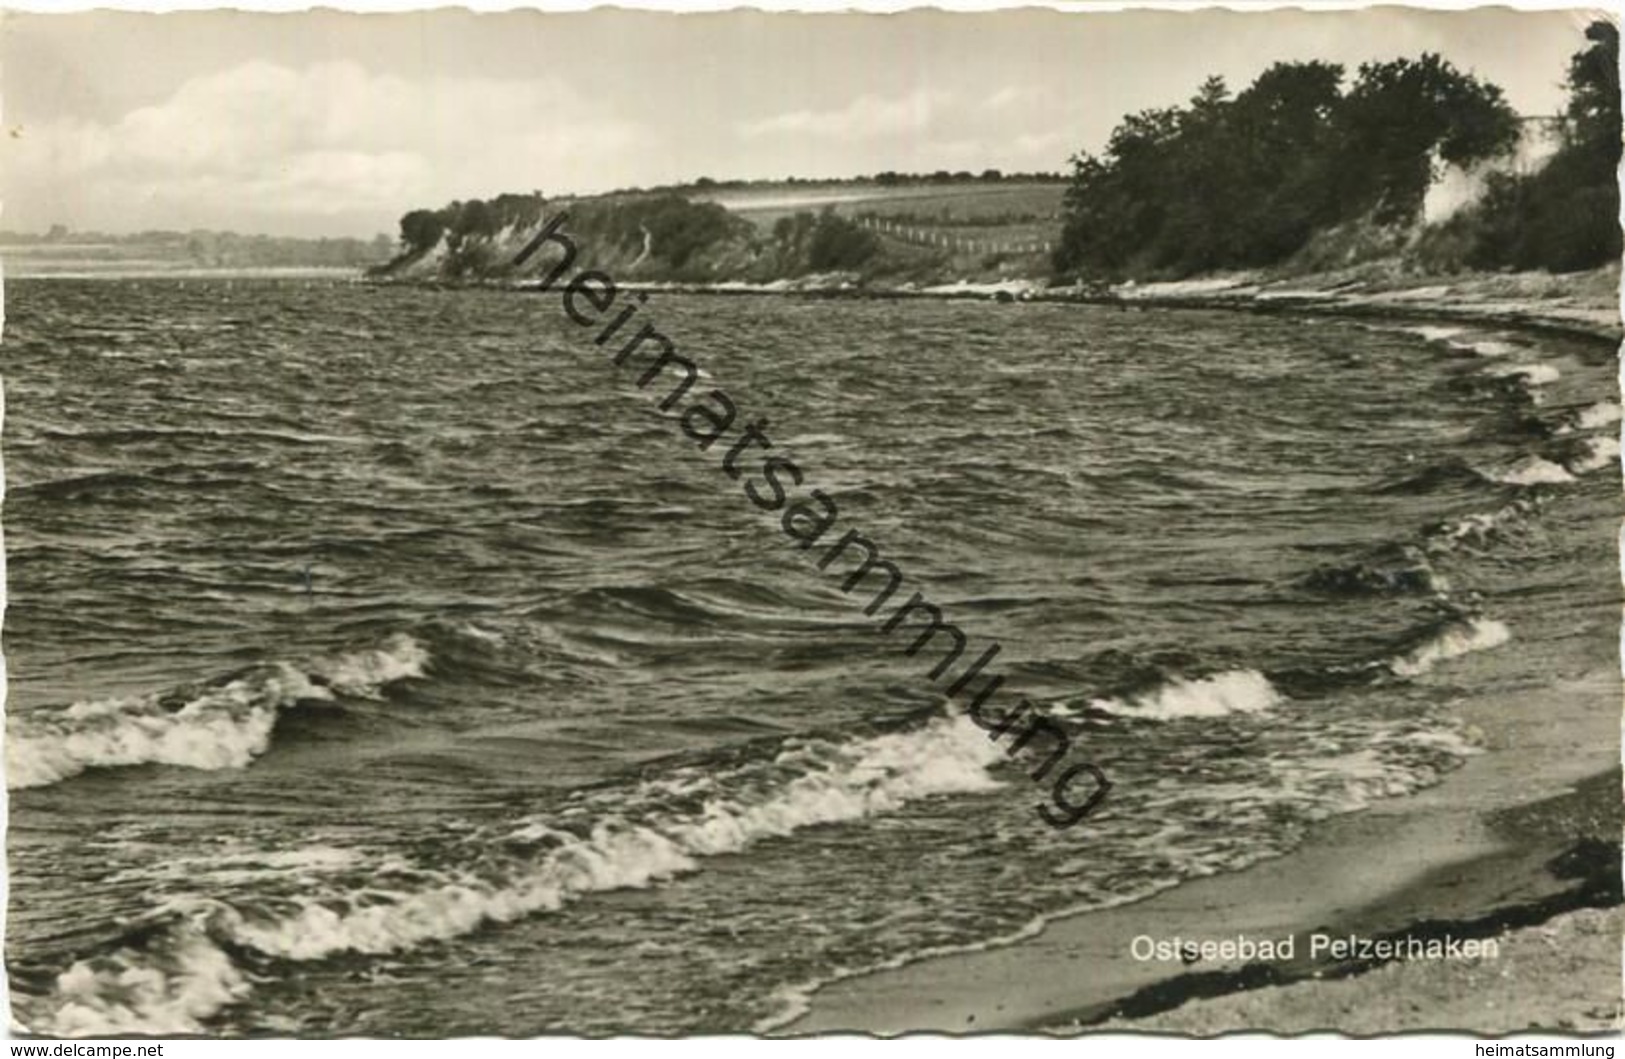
(680, 238)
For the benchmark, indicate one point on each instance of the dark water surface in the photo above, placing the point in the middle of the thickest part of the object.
(382, 662)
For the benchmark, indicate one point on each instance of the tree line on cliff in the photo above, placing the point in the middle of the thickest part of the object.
(664, 234)
(1247, 180)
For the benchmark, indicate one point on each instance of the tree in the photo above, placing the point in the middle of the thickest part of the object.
(1282, 129)
(1245, 180)
(837, 243)
(1593, 84)
(1564, 217)
(1116, 202)
(421, 229)
(474, 217)
(1397, 115)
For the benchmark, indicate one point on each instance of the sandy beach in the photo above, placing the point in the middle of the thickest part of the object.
(1580, 303)
(1472, 858)
(1584, 304)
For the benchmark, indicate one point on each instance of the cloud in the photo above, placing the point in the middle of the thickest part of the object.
(1011, 96)
(1042, 144)
(265, 144)
(865, 117)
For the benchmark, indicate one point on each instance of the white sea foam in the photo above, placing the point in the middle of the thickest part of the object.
(365, 673)
(1475, 634)
(613, 858)
(1487, 347)
(224, 727)
(1433, 332)
(164, 989)
(1601, 414)
(1534, 470)
(1236, 691)
(1492, 348)
(1342, 779)
(1532, 374)
(1483, 527)
(1604, 453)
(220, 727)
(837, 782)
(844, 782)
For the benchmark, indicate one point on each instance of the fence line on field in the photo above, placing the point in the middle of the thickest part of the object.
(961, 244)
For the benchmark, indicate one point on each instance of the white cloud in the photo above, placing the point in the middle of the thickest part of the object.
(260, 142)
(1045, 144)
(864, 117)
(1016, 96)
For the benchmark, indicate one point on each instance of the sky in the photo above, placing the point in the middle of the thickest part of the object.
(328, 123)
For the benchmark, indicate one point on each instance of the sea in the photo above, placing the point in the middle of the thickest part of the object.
(382, 661)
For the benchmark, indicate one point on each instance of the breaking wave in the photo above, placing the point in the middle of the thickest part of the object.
(1236, 691)
(176, 984)
(1593, 417)
(1535, 470)
(165, 987)
(220, 724)
(1454, 640)
(1603, 452)
(1481, 529)
(1532, 374)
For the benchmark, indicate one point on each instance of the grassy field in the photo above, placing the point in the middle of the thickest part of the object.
(968, 218)
(960, 202)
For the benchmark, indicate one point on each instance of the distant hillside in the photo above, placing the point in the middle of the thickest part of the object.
(63, 252)
(857, 231)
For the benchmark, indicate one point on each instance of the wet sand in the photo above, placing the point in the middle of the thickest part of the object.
(1585, 303)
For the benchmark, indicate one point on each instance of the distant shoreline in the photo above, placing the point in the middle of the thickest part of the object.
(1570, 304)
(338, 272)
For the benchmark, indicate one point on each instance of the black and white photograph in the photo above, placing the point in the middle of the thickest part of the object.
(631, 522)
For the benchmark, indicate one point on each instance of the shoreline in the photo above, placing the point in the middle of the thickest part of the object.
(1538, 302)
(1479, 849)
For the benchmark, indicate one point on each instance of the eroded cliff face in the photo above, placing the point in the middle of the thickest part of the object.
(663, 239)
(1440, 238)
(1455, 187)
(669, 238)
